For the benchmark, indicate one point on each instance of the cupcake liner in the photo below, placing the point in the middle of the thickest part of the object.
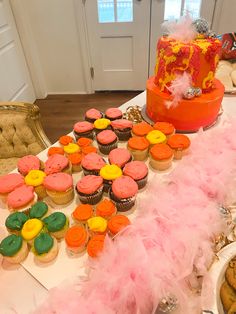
(90, 172)
(49, 256)
(106, 149)
(61, 198)
(97, 131)
(40, 191)
(160, 165)
(76, 168)
(139, 154)
(106, 185)
(68, 169)
(20, 256)
(88, 134)
(113, 119)
(123, 135)
(122, 205)
(91, 199)
(92, 120)
(142, 182)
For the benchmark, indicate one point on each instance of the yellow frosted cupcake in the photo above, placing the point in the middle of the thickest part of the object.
(109, 173)
(156, 137)
(71, 148)
(31, 229)
(35, 178)
(101, 125)
(97, 225)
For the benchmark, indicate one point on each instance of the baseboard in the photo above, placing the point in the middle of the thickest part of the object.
(68, 93)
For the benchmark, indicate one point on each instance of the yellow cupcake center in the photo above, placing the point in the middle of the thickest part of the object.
(35, 177)
(71, 148)
(156, 137)
(97, 224)
(110, 172)
(102, 123)
(31, 228)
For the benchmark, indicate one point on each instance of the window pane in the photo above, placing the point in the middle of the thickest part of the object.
(193, 7)
(172, 9)
(106, 11)
(124, 10)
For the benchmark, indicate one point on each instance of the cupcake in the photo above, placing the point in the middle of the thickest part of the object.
(57, 224)
(107, 141)
(92, 163)
(55, 150)
(113, 114)
(75, 160)
(180, 144)
(90, 189)
(15, 222)
(138, 171)
(95, 245)
(21, 198)
(14, 249)
(88, 150)
(35, 178)
(156, 137)
(82, 213)
(65, 140)
(59, 187)
(161, 156)
(141, 129)
(138, 146)
(119, 157)
(76, 239)
(109, 173)
(122, 128)
(106, 209)
(45, 248)
(93, 114)
(117, 223)
(27, 163)
(39, 210)
(31, 229)
(71, 148)
(9, 183)
(83, 129)
(84, 141)
(123, 193)
(101, 125)
(57, 163)
(165, 127)
(97, 225)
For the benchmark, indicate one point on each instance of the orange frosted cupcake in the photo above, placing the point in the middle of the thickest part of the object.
(88, 150)
(141, 129)
(84, 141)
(165, 127)
(55, 150)
(75, 160)
(65, 140)
(95, 245)
(117, 223)
(161, 156)
(82, 213)
(106, 209)
(180, 144)
(138, 146)
(76, 238)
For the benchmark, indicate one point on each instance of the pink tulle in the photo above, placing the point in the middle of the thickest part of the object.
(177, 88)
(182, 30)
(169, 245)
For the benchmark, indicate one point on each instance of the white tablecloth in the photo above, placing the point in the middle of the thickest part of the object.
(19, 291)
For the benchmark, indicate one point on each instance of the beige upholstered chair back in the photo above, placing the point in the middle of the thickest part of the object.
(21, 133)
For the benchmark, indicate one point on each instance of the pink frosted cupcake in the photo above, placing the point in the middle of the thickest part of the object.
(83, 129)
(29, 162)
(119, 157)
(90, 189)
(9, 183)
(113, 114)
(22, 198)
(92, 115)
(138, 171)
(59, 187)
(123, 193)
(92, 163)
(57, 163)
(107, 141)
(122, 128)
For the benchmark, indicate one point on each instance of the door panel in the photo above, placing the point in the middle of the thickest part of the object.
(15, 82)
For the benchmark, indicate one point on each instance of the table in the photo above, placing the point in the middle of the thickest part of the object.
(20, 292)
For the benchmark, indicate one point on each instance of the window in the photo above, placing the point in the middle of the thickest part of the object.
(175, 8)
(110, 11)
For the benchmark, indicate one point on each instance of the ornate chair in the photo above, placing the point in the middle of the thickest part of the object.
(21, 133)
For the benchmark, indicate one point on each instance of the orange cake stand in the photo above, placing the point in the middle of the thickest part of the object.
(188, 115)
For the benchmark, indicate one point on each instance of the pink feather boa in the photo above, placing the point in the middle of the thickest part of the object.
(170, 242)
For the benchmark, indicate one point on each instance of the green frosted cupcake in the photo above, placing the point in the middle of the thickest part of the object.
(39, 210)
(14, 249)
(45, 248)
(57, 224)
(15, 222)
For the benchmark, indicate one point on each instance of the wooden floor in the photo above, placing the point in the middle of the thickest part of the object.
(60, 112)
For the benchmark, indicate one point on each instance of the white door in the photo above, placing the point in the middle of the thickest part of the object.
(118, 32)
(15, 82)
(163, 10)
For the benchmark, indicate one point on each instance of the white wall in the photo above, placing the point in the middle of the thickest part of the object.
(54, 32)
